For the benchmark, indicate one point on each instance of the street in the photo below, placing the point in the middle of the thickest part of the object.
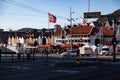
(59, 68)
(53, 57)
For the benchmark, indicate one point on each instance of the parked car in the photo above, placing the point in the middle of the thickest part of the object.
(69, 53)
(105, 51)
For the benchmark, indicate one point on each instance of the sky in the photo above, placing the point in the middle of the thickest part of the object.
(17, 17)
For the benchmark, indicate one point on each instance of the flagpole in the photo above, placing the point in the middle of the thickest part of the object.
(48, 22)
(48, 25)
(51, 19)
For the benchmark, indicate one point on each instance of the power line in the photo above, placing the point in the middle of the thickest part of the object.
(24, 6)
(28, 20)
(30, 8)
(23, 14)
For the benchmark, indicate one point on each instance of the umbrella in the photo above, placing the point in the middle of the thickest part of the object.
(44, 46)
(118, 46)
(76, 45)
(66, 46)
(47, 46)
(40, 46)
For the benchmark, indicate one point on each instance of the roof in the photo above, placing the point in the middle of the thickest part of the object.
(75, 30)
(95, 30)
(58, 32)
(107, 31)
(81, 29)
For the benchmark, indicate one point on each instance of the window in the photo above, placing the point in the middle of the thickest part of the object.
(76, 40)
(86, 40)
(78, 35)
(75, 35)
(85, 35)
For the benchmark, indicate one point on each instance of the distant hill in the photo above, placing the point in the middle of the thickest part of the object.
(27, 30)
(33, 30)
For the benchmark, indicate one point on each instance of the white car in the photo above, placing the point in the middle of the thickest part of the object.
(105, 51)
(69, 53)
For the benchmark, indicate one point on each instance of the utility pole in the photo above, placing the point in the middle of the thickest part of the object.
(71, 25)
(88, 5)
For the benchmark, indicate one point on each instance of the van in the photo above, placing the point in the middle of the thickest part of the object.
(105, 51)
(87, 51)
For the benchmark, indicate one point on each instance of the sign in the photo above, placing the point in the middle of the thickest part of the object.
(81, 40)
(92, 14)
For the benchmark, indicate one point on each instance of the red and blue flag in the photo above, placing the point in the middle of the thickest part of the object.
(51, 18)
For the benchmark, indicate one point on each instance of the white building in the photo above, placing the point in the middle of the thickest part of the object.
(73, 34)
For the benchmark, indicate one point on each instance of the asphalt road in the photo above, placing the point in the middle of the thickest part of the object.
(59, 71)
(110, 72)
(59, 68)
(10, 58)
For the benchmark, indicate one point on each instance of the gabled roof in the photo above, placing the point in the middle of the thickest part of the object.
(107, 31)
(75, 30)
(81, 29)
(58, 32)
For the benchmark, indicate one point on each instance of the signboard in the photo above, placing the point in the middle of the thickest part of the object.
(81, 40)
(92, 14)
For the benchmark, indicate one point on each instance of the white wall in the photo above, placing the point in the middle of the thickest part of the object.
(92, 39)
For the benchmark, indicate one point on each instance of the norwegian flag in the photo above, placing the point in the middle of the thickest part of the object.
(51, 18)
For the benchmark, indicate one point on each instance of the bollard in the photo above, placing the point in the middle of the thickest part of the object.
(27, 51)
(12, 58)
(0, 55)
(19, 56)
(77, 59)
(33, 52)
(28, 56)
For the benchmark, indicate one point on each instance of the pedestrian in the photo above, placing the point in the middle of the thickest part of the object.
(6, 43)
(35, 43)
(46, 53)
(78, 51)
(78, 57)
